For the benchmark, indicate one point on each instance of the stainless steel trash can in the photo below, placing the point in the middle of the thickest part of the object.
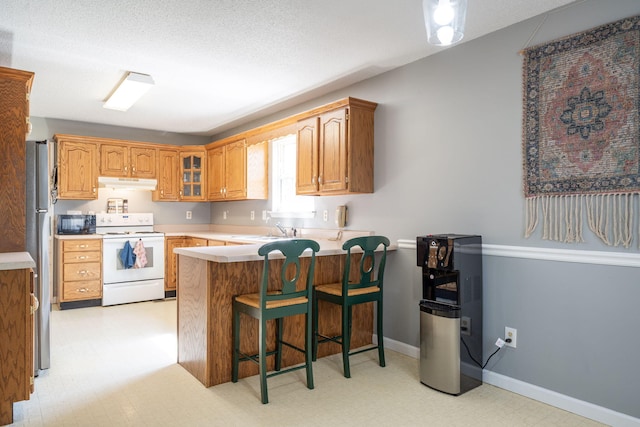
(440, 346)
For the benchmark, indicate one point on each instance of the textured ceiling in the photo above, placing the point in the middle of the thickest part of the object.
(217, 63)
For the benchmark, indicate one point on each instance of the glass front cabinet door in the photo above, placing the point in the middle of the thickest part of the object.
(192, 165)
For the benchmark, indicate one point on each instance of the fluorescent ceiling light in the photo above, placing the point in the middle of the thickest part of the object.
(128, 91)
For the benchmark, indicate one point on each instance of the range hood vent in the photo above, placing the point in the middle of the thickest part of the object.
(127, 183)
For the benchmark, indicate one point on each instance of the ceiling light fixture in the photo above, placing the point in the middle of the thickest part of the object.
(128, 91)
(444, 20)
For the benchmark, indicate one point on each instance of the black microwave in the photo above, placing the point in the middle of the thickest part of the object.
(76, 224)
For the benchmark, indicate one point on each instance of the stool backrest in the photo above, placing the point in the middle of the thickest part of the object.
(287, 284)
(369, 275)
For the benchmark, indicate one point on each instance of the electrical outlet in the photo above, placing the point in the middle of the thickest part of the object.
(224, 215)
(510, 333)
(325, 215)
(264, 215)
(188, 214)
(253, 215)
(465, 325)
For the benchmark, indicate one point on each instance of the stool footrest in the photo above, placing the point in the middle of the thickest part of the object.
(362, 350)
(336, 339)
(284, 371)
(301, 350)
(255, 358)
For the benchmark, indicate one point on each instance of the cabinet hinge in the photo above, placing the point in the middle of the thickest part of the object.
(31, 380)
(346, 179)
(346, 116)
(28, 95)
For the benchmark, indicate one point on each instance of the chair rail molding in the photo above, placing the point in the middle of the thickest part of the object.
(619, 259)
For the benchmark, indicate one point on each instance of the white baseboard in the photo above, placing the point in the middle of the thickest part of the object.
(561, 401)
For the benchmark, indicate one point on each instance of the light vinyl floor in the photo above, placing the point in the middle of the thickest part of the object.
(116, 366)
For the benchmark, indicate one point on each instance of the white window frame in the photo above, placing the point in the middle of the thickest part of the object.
(286, 204)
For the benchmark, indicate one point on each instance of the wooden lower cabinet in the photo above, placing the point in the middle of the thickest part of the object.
(171, 263)
(79, 273)
(17, 305)
(171, 259)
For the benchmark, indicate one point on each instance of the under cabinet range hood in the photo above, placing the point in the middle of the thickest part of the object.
(127, 183)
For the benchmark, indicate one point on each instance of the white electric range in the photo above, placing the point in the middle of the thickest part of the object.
(127, 280)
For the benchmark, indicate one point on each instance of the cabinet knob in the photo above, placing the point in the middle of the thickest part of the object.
(320, 179)
(94, 190)
(313, 179)
(125, 168)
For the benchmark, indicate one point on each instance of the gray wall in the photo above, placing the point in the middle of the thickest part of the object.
(448, 159)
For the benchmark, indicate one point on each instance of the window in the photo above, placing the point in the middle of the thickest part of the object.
(285, 202)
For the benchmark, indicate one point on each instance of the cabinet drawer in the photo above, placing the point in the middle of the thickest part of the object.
(81, 245)
(86, 289)
(85, 256)
(81, 271)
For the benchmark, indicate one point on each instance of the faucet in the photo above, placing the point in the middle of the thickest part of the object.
(282, 229)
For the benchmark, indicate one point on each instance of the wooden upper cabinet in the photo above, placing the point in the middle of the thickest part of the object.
(15, 86)
(307, 156)
(237, 171)
(192, 169)
(332, 157)
(114, 160)
(124, 160)
(168, 176)
(227, 171)
(77, 169)
(215, 174)
(335, 150)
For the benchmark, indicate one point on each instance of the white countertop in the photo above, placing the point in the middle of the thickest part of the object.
(16, 261)
(249, 243)
(249, 252)
(77, 236)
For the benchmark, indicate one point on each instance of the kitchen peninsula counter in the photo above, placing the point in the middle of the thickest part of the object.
(208, 279)
(16, 261)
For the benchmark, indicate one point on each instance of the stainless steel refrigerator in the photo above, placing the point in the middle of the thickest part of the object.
(39, 244)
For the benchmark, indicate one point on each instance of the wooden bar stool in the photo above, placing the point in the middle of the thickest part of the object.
(278, 299)
(347, 294)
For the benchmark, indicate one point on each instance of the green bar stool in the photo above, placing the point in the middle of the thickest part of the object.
(347, 294)
(285, 297)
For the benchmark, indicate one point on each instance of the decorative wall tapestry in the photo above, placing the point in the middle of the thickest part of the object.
(581, 134)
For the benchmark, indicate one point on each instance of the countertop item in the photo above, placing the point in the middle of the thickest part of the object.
(16, 261)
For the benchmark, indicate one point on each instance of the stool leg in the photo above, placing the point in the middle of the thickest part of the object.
(346, 339)
(263, 360)
(315, 326)
(308, 350)
(279, 323)
(380, 334)
(236, 345)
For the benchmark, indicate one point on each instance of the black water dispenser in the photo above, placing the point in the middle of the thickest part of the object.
(450, 312)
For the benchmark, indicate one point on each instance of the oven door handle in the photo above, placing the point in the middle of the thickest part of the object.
(122, 240)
